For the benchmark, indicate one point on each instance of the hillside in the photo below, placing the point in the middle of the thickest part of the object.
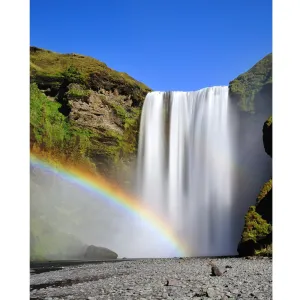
(252, 89)
(252, 94)
(83, 111)
(257, 232)
(48, 69)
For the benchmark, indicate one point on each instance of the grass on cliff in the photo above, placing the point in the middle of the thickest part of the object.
(255, 226)
(269, 121)
(121, 147)
(264, 190)
(52, 134)
(49, 67)
(247, 85)
(266, 251)
(76, 91)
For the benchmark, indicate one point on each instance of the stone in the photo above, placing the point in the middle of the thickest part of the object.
(211, 292)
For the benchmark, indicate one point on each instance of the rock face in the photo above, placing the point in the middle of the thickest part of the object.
(257, 234)
(252, 90)
(98, 253)
(82, 113)
(267, 136)
(251, 94)
(102, 109)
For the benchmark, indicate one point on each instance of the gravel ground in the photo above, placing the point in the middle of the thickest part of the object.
(147, 279)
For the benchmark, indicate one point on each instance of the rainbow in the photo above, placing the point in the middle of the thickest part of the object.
(111, 193)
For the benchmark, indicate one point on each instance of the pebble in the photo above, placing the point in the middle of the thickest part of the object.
(211, 292)
(146, 279)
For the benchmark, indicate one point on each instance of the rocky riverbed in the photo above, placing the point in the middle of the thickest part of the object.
(176, 278)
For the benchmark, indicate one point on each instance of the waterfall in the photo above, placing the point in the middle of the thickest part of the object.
(185, 165)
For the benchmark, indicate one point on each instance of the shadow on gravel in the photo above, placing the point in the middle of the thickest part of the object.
(44, 270)
(69, 282)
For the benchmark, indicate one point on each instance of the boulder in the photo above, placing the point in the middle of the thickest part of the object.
(98, 253)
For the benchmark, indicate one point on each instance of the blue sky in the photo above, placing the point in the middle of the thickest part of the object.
(168, 45)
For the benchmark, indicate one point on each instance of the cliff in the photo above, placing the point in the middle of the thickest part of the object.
(85, 114)
(252, 90)
(251, 95)
(82, 113)
(257, 233)
(267, 136)
(93, 109)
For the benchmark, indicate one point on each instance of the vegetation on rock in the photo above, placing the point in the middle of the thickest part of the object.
(269, 121)
(83, 114)
(256, 236)
(246, 86)
(257, 233)
(50, 70)
(266, 251)
(53, 135)
(85, 108)
(255, 227)
(252, 92)
(264, 191)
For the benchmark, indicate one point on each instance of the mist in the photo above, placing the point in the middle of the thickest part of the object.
(92, 219)
(208, 216)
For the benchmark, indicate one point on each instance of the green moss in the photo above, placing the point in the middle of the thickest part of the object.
(66, 77)
(120, 111)
(51, 132)
(78, 93)
(246, 86)
(264, 191)
(121, 147)
(82, 69)
(269, 121)
(72, 75)
(266, 251)
(255, 226)
(258, 220)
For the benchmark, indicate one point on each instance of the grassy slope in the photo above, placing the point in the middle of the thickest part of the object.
(54, 74)
(52, 135)
(246, 86)
(46, 68)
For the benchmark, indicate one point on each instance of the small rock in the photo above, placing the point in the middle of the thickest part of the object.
(215, 271)
(211, 292)
(172, 282)
(198, 295)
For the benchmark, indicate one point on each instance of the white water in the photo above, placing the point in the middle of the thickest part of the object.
(185, 165)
